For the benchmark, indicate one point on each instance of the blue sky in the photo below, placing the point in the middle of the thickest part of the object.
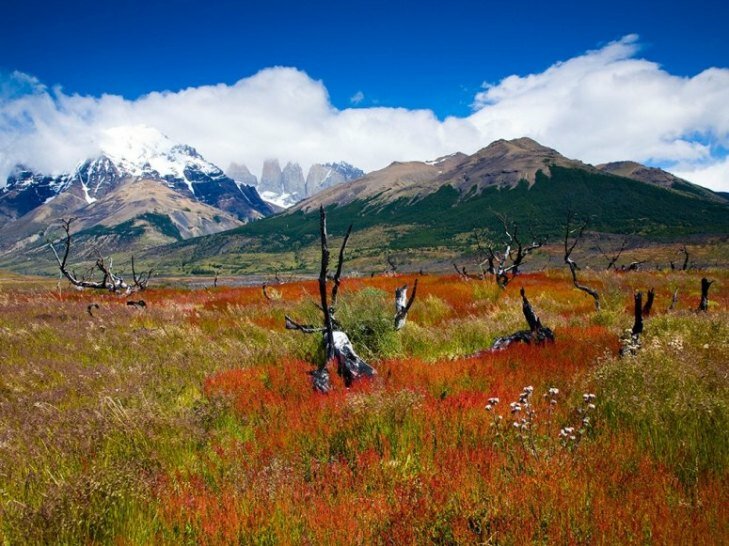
(365, 79)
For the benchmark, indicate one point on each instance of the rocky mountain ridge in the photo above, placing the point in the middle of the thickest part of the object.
(286, 187)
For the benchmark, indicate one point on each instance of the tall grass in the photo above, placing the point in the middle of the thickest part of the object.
(193, 421)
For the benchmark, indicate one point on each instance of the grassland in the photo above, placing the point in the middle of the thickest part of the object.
(193, 421)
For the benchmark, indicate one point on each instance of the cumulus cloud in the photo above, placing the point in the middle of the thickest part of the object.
(604, 105)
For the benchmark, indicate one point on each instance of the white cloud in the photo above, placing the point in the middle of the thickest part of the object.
(357, 98)
(604, 105)
(714, 176)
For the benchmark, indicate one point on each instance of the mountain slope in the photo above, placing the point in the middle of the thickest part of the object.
(502, 164)
(659, 177)
(437, 205)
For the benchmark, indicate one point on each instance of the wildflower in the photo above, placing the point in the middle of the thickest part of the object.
(489, 407)
(591, 406)
(588, 397)
(553, 391)
(566, 432)
(553, 402)
(515, 407)
(493, 401)
(516, 425)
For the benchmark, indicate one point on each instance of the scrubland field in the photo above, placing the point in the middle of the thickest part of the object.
(193, 420)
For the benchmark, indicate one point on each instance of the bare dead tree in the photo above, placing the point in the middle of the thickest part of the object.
(612, 260)
(503, 266)
(516, 251)
(704, 303)
(392, 264)
(649, 302)
(577, 232)
(109, 281)
(141, 280)
(486, 254)
(537, 333)
(683, 250)
(630, 343)
(337, 345)
(465, 275)
(403, 304)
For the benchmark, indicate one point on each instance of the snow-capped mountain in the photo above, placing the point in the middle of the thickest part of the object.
(141, 189)
(131, 153)
(26, 190)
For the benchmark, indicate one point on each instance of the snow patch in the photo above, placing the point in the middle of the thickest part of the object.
(283, 200)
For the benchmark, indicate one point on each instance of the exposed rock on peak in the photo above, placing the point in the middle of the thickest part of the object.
(271, 177)
(326, 175)
(292, 180)
(240, 173)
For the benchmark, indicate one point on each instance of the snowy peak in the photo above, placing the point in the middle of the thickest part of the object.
(144, 152)
(128, 154)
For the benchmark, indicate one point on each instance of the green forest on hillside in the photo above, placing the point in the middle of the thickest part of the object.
(611, 204)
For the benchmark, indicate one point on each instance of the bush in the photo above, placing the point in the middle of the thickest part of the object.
(368, 319)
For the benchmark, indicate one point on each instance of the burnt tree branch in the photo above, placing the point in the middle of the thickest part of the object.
(569, 247)
(403, 304)
(705, 285)
(537, 333)
(630, 343)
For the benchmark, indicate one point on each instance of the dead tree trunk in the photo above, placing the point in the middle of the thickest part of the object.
(402, 304)
(536, 334)
(674, 300)
(630, 343)
(649, 302)
(705, 285)
(568, 248)
(683, 250)
(336, 343)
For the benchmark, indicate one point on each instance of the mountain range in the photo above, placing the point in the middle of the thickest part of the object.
(287, 186)
(139, 176)
(189, 206)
